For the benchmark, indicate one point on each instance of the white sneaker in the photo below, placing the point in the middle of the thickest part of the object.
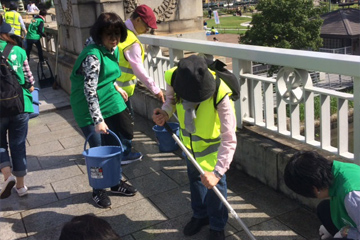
(6, 187)
(22, 191)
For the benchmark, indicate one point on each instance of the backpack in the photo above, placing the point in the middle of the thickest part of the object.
(228, 77)
(11, 92)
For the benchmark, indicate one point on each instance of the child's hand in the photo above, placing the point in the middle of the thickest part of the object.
(160, 116)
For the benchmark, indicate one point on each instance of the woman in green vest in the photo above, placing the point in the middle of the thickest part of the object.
(96, 103)
(311, 175)
(207, 129)
(35, 32)
(14, 127)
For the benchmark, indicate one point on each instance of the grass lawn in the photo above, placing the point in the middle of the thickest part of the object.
(229, 22)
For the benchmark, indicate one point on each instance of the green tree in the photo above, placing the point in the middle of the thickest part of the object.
(293, 24)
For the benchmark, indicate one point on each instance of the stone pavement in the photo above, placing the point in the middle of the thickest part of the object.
(59, 190)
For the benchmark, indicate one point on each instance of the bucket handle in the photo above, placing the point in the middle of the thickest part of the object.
(109, 131)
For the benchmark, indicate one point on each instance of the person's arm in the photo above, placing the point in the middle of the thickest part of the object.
(23, 27)
(352, 206)
(228, 135)
(91, 70)
(160, 116)
(227, 146)
(29, 78)
(133, 56)
(40, 29)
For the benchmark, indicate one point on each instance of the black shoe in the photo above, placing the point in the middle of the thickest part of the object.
(101, 198)
(217, 235)
(195, 225)
(124, 189)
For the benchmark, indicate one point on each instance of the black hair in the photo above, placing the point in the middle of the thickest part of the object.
(134, 15)
(13, 6)
(88, 227)
(43, 12)
(307, 170)
(109, 23)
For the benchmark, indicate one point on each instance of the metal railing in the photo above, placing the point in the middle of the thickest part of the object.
(260, 94)
(265, 102)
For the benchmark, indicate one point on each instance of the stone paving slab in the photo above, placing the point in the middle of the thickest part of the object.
(59, 190)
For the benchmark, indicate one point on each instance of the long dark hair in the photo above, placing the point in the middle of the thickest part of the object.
(5, 36)
(108, 23)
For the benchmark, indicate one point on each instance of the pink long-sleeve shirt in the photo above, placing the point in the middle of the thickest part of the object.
(227, 129)
(133, 56)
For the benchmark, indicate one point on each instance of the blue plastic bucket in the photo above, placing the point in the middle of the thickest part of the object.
(36, 103)
(103, 164)
(165, 141)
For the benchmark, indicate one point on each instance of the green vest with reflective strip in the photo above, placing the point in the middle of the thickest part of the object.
(346, 179)
(127, 80)
(205, 142)
(12, 18)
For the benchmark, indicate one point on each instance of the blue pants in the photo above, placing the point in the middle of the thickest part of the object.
(16, 129)
(205, 202)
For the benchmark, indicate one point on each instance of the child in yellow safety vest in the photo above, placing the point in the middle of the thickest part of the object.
(207, 129)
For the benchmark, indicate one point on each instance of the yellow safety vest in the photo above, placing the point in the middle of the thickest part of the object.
(205, 142)
(12, 18)
(127, 80)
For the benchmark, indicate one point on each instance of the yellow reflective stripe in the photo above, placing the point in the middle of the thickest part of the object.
(127, 83)
(211, 149)
(196, 138)
(126, 70)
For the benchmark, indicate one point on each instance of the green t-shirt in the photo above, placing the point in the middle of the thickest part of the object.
(16, 60)
(110, 100)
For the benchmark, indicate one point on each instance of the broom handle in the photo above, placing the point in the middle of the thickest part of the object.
(217, 192)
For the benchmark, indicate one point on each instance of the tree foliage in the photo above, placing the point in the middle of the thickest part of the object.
(291, 24)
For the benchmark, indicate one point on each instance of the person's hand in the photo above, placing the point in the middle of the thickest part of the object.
(123, 93)
(338, 235)
(160, 96)
(101, 128)
(209, 180)
(31, 89)
(160, 117)
(324, 234)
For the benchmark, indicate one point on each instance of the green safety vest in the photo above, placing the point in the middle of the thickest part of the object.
(346, 179)
(33, 29)
(205, 142)
(127, 81)
(16, 60)
(12, 18)
(110, 100)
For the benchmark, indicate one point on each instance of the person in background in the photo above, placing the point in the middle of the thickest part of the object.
(35, 32)
(210, 12)
(15, 20)
(213, 31)
(207, 129)
(311, 175)
(97, 105)
(88, 227)
(131, 62)
(15, 128)
(32, 7)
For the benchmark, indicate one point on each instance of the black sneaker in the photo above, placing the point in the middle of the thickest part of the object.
(195, 225)
(101, 198)
(124, 189)
(217, 235)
